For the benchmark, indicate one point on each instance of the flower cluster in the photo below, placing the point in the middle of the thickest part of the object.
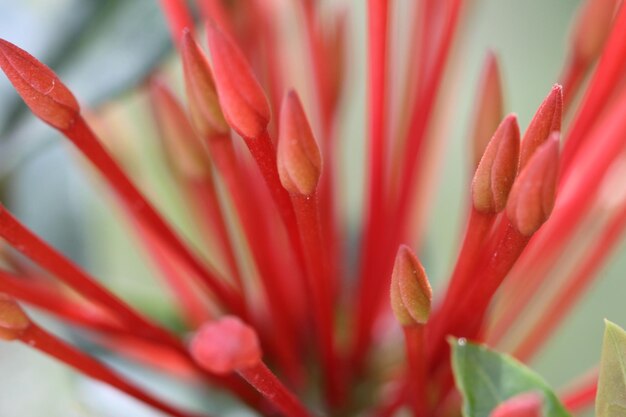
(298, 334)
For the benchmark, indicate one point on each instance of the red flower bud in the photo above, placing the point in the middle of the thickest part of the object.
(13, 320)
(410, 291)
(546, 120)
(532, 197)
(204, 106)
(226, 345)
(497, 169)
(243, 101)
(185, 150)
(489, 107)
(299, 160)
(39, 87)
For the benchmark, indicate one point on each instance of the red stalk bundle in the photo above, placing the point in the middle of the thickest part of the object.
(281, 309)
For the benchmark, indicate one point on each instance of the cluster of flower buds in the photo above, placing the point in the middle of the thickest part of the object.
(284, 323)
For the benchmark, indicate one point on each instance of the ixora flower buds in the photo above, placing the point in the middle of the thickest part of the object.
(294, 305)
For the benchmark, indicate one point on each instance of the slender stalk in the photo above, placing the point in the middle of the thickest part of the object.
(279, 300)
(416, 374)
(573, 287)
(263, 380)
(319, 284)
(65, 270)
(610, 68)
(145, 214)
(41, 340)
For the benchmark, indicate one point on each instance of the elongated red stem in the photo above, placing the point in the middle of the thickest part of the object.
(41, 340)
(52, 300)
(307, 214)
(261, 378)
(416, 375)
(190, 301)
(377, 156)
(478, 227)
(65, 270)
(145, 214)
(466, 318)
(572, 289)
(278, 298)
(610, 68)
(203, 195)
(420, 116)
(583, 395)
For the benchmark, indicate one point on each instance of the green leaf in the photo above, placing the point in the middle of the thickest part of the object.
(486, 378)
(611, 396)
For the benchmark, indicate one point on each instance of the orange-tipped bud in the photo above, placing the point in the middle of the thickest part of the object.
(592, 27)
(497, 169)
(13, 320)
(528, 404)
(411, 295)
(226, 345)
(204, 106)
(39, 87)
(489, 107)
(184, 148)
(546, 120)
(299, 160)
(242, 99)
(532, 197)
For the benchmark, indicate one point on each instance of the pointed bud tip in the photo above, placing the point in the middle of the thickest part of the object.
(13, 320)
(534, 191)
(298, 156)
(204, 105)
(489, 106)
(242, 99)
(411, 294)
(497, 169)
(527, 404)
(226, 345)
(546, 120)
(39, 87)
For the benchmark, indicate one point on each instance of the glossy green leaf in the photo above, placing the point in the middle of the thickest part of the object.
(486, 378)
(611, 397)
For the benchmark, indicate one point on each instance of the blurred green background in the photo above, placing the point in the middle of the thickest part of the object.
(100, 48)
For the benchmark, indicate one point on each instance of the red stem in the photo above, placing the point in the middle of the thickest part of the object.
(48, 258)
(203, 197)
(416, 375)
(41, 340)
(319, 284)
(263, 380)
(278, 299)
(564, 299)
(146, 215)
(610, 69)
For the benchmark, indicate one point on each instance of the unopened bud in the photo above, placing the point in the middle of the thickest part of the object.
(226, 345)
(298, 156)
(546, 120)
(204, 106)
(13, 320)
(533, 193)
(489, 107)
(184, 148)
(40, 88)
(497, 169)
(411, 295)
(242, 99)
